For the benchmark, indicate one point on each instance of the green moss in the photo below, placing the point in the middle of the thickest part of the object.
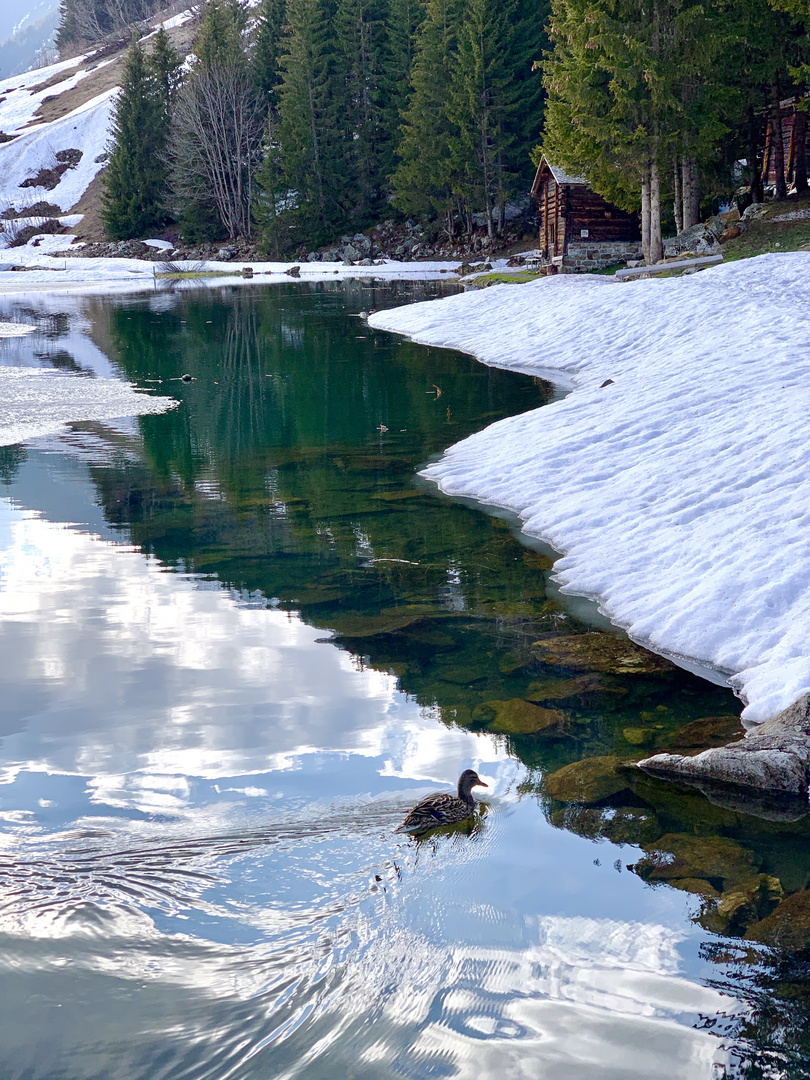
(519, 717)
(588, 781)
(787, 926)
(499, 278)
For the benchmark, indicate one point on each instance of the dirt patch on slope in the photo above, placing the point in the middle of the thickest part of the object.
(90, 228)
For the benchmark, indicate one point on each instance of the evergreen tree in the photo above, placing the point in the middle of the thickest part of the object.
(423, 182)
(361, 63)
(481, 105)
(135, 178)
(267, 45)
(164, 64)
(312, 109)
(220, 39)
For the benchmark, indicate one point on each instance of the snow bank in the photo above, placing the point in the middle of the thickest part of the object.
(38, 403)
(679, 494)
(85, 129)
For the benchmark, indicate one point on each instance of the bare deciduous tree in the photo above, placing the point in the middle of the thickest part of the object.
(216, 142)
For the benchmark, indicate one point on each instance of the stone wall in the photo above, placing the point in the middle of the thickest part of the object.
(582, 256)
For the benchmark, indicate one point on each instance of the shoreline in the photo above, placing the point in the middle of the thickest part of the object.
(672, 476)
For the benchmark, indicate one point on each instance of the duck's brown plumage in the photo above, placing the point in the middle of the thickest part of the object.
(443, 808)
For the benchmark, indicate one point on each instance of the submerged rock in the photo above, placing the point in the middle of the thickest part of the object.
(788, 925)
(707, 732)
(600, 652)
(679, 855)
(743, 904)
(581, 690)
(588, 781)
(519, 717)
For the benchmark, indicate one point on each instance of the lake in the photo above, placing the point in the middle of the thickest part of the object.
(241, 638)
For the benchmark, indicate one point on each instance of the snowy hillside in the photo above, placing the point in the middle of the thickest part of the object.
(55, 124)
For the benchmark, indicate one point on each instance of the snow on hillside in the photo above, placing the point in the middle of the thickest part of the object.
(678, 493)
(85, 129)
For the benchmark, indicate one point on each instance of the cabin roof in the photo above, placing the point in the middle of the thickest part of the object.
(560, 175)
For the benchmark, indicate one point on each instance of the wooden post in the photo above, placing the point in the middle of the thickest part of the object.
(777, 146)
(545, 219)
(677, 203)
(799, 144)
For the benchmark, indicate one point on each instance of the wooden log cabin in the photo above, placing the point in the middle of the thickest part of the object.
(579, 230)
(795, 145)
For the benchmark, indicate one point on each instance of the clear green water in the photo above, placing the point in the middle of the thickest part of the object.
(240, 639)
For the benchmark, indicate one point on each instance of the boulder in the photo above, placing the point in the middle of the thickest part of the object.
(787, 926)
(591, 780)
(519, 717)
(681, 855)
(744, 903)
(698, 239)
(601, 652)
(775, 757)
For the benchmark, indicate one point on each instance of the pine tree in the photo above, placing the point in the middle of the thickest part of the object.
(311, 132)
(481, 105)
(423, 182)
(361, 63)
(135, 178)
(220, 39)
(267, 45)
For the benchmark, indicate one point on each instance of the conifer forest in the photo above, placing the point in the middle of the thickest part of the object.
(296, 120)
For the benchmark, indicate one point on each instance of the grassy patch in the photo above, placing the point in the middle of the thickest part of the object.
(180, 275)
(498, 278)
(767, 233)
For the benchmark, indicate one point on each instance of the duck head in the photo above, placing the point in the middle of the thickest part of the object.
(467, 781)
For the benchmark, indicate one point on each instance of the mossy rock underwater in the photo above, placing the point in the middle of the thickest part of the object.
(788, 925)
(588, 781)
(680, 855)
(600, 652)
(519, 717)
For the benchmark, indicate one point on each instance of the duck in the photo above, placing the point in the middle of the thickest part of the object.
(443, 808)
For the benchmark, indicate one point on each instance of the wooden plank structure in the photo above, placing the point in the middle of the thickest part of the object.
(794, 124)
(579, 230)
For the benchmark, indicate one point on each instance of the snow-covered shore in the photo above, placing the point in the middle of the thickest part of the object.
(678, 493)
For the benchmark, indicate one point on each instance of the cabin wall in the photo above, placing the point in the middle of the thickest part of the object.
(580, 231)
(788, 115)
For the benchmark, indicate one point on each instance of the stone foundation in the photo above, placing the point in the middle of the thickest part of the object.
(583, 255)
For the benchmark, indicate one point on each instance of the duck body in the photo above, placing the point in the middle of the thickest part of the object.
(443, 808)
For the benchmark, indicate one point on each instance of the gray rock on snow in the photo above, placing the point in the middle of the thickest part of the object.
(775, 757)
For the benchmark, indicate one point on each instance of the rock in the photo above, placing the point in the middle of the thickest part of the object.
(313, 256)
(294, 271)
(707, 732)
(746, 902)
(639, 736)
(788, 925)
(681, 855)
(247, 271)
(588, 781)
(350, 253)
(695, 885)
(584, 690)
(367, 262)
(634, 264)
(519, 717)
(697, 239)
(225, 253)
(601, 652)
(516, 260)
(623, 825)
(731, 233)
(755, 210)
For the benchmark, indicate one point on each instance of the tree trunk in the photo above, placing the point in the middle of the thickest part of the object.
(754, 174)
(645, 217)
(677, 202)
(777, 158)
(800, 150)
(656, 246)
(691, 196)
